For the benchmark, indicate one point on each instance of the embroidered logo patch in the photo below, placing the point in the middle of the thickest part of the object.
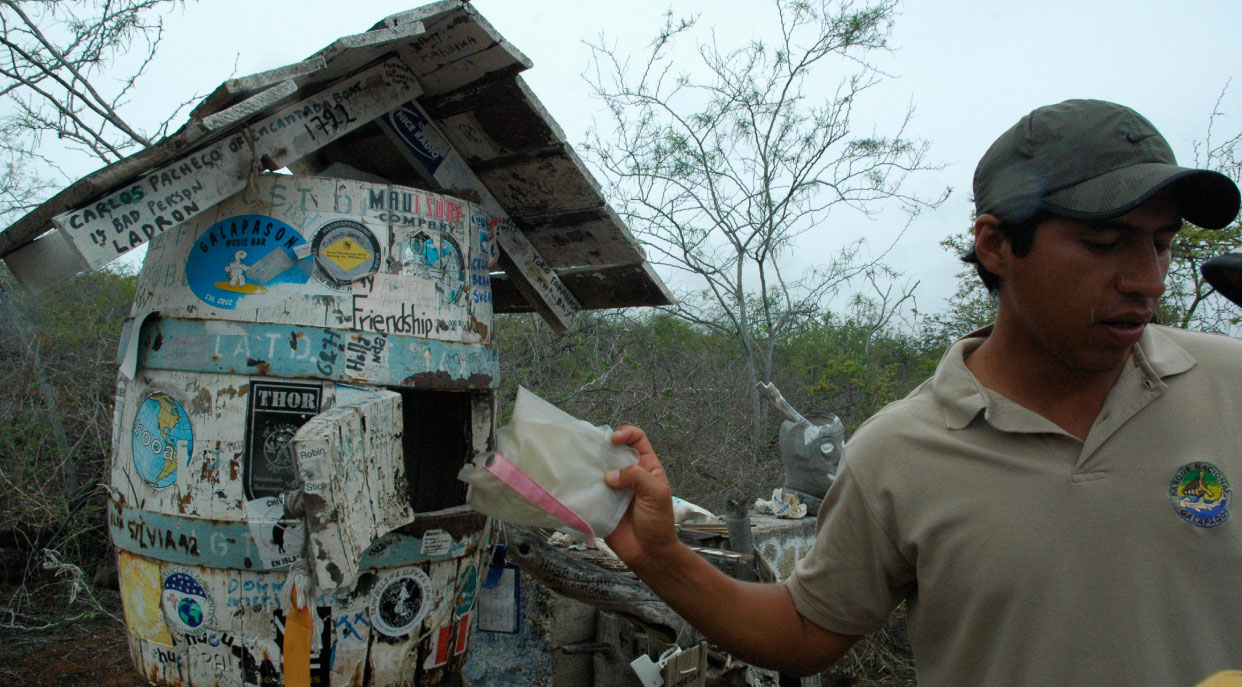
(1200, 494)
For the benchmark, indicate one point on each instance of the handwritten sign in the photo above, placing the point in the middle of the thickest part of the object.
(148, 206)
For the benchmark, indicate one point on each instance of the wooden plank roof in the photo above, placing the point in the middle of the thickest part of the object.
(471, 91)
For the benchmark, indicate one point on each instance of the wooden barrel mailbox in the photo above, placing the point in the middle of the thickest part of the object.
(308, 360)
(313, 340)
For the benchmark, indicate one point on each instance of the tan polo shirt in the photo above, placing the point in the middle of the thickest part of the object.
(1029, 557)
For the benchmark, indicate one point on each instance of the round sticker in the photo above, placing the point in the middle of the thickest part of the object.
(187, 608)
(345, 251)
(162, 439)
(401, 601)
(243, 257)
(1200, 494)
(439, 259)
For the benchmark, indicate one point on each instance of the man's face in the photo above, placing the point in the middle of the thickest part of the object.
(1087, 289)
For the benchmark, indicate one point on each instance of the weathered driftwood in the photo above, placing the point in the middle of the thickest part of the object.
(621, 593)
(810, 452)
(589, 583)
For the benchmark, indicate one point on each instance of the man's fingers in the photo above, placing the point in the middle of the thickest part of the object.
(632, 436)
(636, 438)
(637, 478)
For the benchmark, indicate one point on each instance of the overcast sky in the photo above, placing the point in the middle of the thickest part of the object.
(970, 67)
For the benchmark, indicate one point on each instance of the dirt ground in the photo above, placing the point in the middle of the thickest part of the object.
(45, 642)
(40, 645)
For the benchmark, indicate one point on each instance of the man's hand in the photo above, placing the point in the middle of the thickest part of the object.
(759, 624)
(646, 531)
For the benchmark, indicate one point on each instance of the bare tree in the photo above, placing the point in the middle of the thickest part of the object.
(720, 171)
(1189, 301)
(57, 76)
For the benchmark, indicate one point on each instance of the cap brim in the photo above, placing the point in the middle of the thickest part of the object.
(1224, 273)
(1206, 198)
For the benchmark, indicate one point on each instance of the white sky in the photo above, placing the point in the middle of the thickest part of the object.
(971, 68)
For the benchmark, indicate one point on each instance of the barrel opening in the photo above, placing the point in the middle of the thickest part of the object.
(437, 443)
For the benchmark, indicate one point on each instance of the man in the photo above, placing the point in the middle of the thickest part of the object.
(1053, 505)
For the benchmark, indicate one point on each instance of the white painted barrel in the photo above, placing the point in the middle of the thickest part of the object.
(251, 319)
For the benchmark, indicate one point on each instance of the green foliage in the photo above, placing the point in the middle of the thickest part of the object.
(969, 308)
(67, 340)
(842, 366)
(1189, 301)
(685, 385)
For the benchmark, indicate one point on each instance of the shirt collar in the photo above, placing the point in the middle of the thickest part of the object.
(963, 398)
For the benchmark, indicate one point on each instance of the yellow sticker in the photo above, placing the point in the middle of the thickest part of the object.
(140, 592)
(347, 254)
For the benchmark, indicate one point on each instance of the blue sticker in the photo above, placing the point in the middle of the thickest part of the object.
(162, 439)
(410, 125)
(244, 256)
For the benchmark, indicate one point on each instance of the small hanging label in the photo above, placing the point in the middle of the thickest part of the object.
(496, 567)
(498, 604)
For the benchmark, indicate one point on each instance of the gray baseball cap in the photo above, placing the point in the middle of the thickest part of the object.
(1091, 160)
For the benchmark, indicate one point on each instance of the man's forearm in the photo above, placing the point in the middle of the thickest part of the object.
(756, 622)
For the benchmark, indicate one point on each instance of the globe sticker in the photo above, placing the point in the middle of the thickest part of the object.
(401, 601)
(243, 257)
(345, 251)
(187, 608)
(162, 439)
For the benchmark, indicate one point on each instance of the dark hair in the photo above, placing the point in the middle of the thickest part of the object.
(1021, 236)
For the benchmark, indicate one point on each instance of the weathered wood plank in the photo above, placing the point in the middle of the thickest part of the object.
(301, 351)
(350, 460)
(495, 118)
(460, 47)
(593, 237)
(45, 262)
(542, 184)
(618, 286)
(240, 88)
(180, 190)
(410, 128)
(425, 275)
(249, 107)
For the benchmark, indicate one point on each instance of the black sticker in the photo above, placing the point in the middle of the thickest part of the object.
(276, 411)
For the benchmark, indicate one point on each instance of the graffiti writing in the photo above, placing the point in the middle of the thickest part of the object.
(328, 347)
(211, 639)
(348, 625)
(146, 536)
(360, 348)
(408, 321)
(254, 593)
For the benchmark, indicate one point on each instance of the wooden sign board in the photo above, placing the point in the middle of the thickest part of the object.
(193, 183)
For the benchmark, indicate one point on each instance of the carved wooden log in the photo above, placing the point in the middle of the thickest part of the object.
(810, 452)
(623, 594)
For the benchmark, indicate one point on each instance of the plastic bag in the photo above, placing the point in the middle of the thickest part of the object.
(548, 471)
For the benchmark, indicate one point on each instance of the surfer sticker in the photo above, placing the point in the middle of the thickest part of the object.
(247, 257)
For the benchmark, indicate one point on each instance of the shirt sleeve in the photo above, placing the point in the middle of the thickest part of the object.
(853, 576)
